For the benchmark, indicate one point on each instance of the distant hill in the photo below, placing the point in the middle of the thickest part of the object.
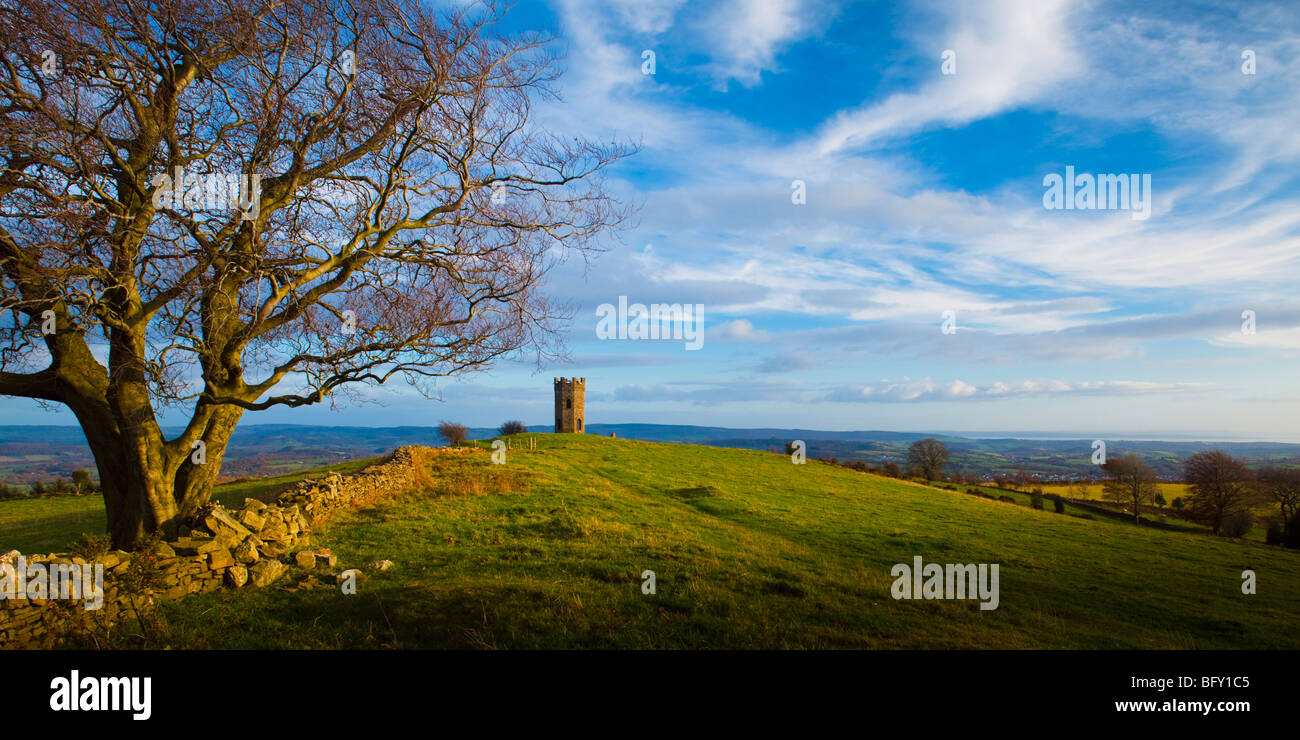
(47, 452)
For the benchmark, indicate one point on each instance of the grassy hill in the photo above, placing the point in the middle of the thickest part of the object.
(749, 550)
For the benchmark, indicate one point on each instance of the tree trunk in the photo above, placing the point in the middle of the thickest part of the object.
(149, 488)
(193, 481)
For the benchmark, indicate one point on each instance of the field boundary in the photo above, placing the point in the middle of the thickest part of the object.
(217, 548)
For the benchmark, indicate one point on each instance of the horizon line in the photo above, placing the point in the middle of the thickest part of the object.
(1027, 434)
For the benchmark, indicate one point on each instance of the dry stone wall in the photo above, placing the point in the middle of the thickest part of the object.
(218, 548)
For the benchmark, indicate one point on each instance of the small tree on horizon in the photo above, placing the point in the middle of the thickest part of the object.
(1131, 481)
(513, 427)
(81, 479)
(452, 433)
(930, 455)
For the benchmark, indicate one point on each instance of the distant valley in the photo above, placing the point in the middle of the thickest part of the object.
(44, 453)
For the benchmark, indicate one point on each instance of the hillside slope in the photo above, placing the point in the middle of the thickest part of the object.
(749, 551)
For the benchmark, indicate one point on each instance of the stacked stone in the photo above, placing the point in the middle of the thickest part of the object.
(248, 546)
(39, 622)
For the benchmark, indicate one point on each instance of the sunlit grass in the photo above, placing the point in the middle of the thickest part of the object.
(749, 551)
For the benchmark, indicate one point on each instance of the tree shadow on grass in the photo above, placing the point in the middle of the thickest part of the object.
(52, 532)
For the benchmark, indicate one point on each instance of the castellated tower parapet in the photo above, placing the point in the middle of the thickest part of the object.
(570, 402)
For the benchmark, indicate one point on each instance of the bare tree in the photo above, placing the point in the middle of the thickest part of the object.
(1282, 487)
(1221, 487)
(228, 207)
(930, 455)
(1023, 479)
(1131, 481)
(452, 433)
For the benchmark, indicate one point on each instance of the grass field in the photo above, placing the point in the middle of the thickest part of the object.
(1093, 491)
(749, 551)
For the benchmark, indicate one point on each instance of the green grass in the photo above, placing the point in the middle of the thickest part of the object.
(233, 494)
(749, 551)
(51, 524)
(41, 525)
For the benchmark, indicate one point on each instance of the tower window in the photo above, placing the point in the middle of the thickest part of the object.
(568, 403)
(580, 425)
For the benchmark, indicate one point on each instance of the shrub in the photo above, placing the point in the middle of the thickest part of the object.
(1278, 534)
(453, 434)
(1292, 539)
(1036, 499)
(1275, 534)
(1059, 503)
(1008, 499)
(90, 547)
(513, 427)
(1237, 524)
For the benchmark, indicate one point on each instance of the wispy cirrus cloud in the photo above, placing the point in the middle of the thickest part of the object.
(746, 36)
(927, 389)
(902, 390)
(1007, 53)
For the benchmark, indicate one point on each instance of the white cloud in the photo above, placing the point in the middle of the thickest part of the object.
(1007, 53)
(646, 17)
(740, 330)
(747, 35)
(927, 389)
(1287, 339)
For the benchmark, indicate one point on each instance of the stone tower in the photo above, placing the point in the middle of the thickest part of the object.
(570, 398)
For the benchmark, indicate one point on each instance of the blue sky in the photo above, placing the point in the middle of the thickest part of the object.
(924, 194)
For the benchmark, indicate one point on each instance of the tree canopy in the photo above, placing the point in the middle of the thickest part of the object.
(229, 207)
